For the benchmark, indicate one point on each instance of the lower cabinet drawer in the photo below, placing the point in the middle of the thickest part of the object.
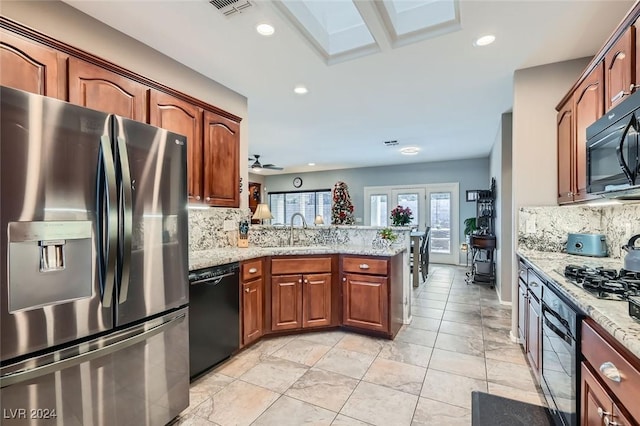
(365, 265)
(301, 265)
(251, 269)
(613, 369)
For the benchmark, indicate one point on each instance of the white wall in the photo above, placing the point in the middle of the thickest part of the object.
(500, 168)
(536, 92)
(471, 174)
(62, 22)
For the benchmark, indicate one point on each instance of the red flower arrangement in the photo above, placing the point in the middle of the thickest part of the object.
(401, 216)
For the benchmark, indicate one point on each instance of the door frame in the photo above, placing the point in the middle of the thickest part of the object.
(452, 187)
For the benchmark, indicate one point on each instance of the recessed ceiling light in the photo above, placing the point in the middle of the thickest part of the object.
(301, 90)
(311, 164)
(485, 40)
(409, 150)
(265, 29)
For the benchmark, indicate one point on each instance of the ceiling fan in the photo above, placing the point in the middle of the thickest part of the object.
(257, 165)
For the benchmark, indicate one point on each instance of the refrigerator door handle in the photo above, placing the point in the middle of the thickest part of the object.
(127, 217)
(98, 352)
(107, 225)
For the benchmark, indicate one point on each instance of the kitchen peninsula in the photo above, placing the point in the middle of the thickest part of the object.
(334, 276)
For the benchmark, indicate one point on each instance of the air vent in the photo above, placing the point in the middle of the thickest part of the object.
(231, 7)
(390, 143)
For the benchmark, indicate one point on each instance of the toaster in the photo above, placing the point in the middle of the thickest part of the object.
(587, 245)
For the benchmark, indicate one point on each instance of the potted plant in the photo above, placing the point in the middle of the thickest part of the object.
(388, 234)
(469, 226)
(401, 216)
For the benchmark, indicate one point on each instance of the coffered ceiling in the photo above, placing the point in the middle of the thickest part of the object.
(404, 70)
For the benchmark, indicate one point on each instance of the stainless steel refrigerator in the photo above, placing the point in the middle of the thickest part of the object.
(93, 256)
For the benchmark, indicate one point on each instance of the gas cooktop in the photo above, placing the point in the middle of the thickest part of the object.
(605, 283)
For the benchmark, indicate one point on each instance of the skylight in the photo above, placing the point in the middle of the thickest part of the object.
(409, 21)
(340, 30)
(334, 28)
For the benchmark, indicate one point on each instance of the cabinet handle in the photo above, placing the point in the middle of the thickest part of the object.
(208, 199)
(610, 371)
(306, 281)
(344, 280)
(246, 290)
(609, 422)
(364, 266)
(253, 270)
(619, 95)
(601, 412)
(300, 281)
(198, 197)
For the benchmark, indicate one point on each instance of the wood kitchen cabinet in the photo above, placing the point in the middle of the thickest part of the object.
(301, 293)
(370, 297)
(534, 321)
(36, 63)
(619, 64)
(221, 154)
(181, 117)
(529, 314)
(610, 380)
(252, 297)
(598, 408)
(579, 112)
(588, 107)
(366, 302)
(97, 88)
(533, 333)
(523, 303)
(565, 157)
(32, 67)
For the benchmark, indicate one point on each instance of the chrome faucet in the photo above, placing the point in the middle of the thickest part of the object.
(304, 225)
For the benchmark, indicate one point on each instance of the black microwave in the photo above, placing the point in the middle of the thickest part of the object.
(613, 164)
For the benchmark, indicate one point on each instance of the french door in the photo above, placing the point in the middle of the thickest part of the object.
(433, 205)
(444, 220)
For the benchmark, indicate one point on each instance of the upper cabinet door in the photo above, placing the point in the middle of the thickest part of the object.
(565, 155)
(619, 71)
(31, 67)
(589, 106)
(102, 90)
(178, 116)
(221, 161)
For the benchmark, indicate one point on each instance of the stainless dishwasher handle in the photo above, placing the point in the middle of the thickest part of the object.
(216, 280)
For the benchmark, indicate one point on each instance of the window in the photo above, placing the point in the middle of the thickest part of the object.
(283, 205)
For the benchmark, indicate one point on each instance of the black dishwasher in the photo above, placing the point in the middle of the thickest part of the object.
(214, 316)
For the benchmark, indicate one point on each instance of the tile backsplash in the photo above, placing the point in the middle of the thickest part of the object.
(546, 228)
(206, 231)
(206, 227)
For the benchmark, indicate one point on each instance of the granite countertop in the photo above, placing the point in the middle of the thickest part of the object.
(612, 315)
(220, 256)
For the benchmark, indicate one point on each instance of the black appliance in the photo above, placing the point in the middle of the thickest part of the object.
(214, 316)
(560, 349)
(605, 283)
(613, 163)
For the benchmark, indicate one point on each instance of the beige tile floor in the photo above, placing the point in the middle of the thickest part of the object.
(457, 342)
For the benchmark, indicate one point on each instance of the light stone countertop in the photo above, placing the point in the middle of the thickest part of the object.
(207, 258)
(612, 315)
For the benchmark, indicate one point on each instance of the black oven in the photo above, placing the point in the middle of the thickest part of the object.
(612, 149)
(560, 357)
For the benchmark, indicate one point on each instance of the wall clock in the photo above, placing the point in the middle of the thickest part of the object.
(297, 182)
